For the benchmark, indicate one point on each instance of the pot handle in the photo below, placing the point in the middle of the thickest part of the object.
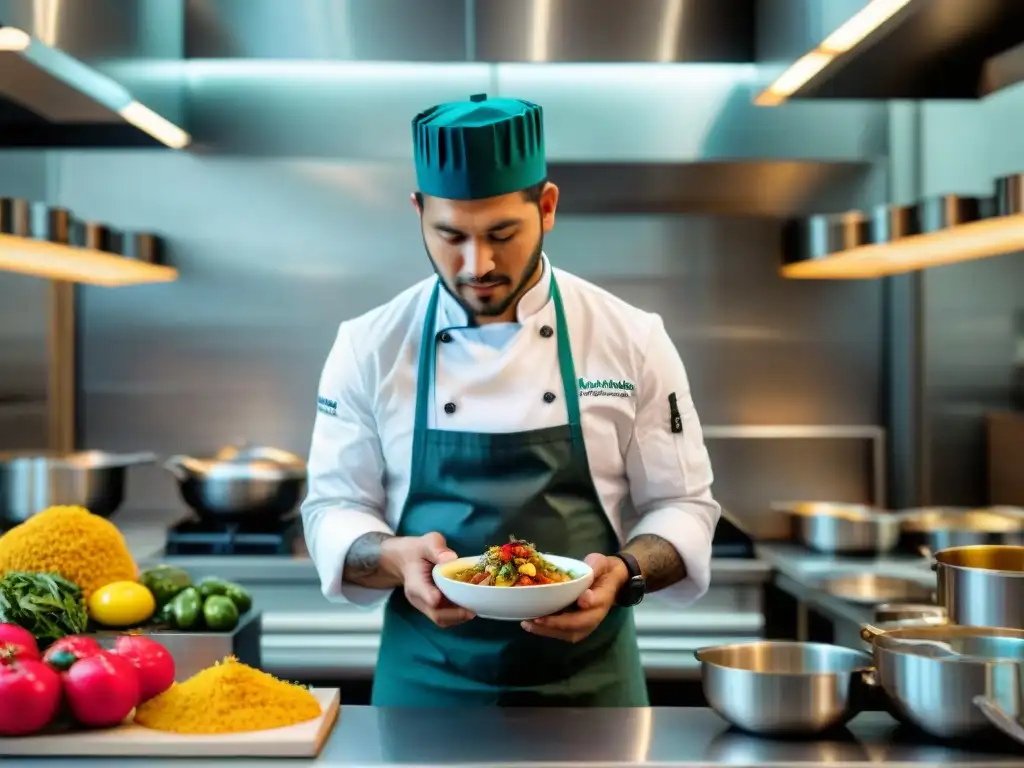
(869, 633)
(869, 677)
(1001, 704)
(143, 457)
(175, 465)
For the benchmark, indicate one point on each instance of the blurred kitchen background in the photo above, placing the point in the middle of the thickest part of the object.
(289, 213)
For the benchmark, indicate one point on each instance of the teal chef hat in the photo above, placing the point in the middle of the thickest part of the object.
(469, 150)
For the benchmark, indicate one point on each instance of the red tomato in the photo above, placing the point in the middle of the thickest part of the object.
(101, 690)
(18, 641)
(153, 662)
(77, 646)
(29, 696)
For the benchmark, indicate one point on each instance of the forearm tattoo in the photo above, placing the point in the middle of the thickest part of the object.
(362, 564)
(660, 562)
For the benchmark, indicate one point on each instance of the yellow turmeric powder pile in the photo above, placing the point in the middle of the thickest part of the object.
(228, 697)
(84, 548)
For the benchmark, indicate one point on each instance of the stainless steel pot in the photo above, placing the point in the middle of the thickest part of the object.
(982, 586)
(1002, 704)
(241, 484)
(841, 528)
(875, 589)
(31, 482)
(781, 687)
(935, 692)
(938, 528)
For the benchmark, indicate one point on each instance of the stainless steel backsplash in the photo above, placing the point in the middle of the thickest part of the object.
(274, 254)
(23, 323)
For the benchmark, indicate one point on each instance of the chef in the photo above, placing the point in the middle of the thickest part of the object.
(504, 397)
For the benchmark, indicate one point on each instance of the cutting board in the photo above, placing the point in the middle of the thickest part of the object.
(130, 740)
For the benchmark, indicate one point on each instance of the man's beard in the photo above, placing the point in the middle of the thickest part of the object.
(497, 308)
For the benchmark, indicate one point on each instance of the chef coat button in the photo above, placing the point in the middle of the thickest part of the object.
(445, 337)
(549, 397)
(449, 408)
(546, 332)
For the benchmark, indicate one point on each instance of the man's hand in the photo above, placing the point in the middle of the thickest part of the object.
(610, 574)
(413, 558)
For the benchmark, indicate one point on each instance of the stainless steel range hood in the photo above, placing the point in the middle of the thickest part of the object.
(54, 100)
(918, 49)
(56, 86)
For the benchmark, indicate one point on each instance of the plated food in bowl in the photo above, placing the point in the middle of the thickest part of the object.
(513, 582)
(514, 564)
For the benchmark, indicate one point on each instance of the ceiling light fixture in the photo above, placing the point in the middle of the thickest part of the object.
(844, 39)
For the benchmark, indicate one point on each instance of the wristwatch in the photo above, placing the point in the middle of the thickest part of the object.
(632, 592)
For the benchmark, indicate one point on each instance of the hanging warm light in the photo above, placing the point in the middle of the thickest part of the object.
(844, 39)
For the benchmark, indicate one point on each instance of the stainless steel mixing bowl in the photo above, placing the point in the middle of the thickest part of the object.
(781, 687)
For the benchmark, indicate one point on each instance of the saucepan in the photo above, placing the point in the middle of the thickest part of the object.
(841, 528)
(31, 482)
(931, 529)
(782, 688)
(241, 483)
(982, 586)
(931, 674)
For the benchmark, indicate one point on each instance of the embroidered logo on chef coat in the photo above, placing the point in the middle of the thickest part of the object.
(605, 387)
(326, 406)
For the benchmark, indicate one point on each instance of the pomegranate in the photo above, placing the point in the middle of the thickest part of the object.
(153, 662)
(101, 689)
(29, 696)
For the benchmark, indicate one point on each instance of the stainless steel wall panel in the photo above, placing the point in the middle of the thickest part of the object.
(274, 254)
(102, 30)
(593, 112)
(610, 30)
(653, 113)
(24, 321)
(306, 109)
(362, 30)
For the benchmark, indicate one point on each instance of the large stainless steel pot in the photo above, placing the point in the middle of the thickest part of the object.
(982, 586)
(31, 482)
(841, 528)
(935, 692)
(1002, 704)
(781, 687)
(938, 528)
(241, 484)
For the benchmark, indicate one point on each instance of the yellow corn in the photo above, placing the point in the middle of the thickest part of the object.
(528, 569)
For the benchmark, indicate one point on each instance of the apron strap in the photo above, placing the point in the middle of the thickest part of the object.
(428, 361)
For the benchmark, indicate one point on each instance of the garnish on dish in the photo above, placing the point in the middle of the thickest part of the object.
(515, 564)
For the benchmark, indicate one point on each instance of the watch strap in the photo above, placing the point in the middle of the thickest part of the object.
(632, 591)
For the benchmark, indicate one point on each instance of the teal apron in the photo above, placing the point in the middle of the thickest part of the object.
(476, 489)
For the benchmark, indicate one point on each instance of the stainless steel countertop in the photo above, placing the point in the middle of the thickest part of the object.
(663, 737)
(798, 569)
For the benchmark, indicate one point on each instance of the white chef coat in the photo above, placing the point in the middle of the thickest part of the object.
(650, 480)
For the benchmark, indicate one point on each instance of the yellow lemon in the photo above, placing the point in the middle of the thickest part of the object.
(121, 604)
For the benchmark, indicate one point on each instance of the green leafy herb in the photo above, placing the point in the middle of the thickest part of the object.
(48, 606)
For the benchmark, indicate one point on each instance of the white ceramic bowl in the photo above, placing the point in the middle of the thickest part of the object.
(514, 603)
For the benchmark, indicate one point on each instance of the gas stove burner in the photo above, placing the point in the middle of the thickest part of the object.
(197, 537)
